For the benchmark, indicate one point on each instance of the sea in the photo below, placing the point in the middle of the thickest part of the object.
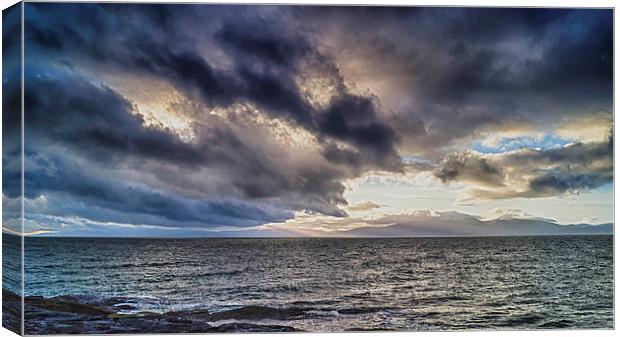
(508, 283)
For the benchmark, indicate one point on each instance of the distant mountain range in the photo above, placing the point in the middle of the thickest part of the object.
(456, 224)
(498, 227)
(417, 224)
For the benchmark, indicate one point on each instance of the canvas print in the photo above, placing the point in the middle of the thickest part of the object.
(201, 168)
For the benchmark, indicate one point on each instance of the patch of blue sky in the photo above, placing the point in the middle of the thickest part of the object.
(548, 141)
(415, 160)
(609, 187)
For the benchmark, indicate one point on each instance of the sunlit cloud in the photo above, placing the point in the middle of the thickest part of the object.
(190, 118)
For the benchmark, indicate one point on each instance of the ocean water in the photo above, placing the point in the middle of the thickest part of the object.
(365, 284)
(11, 263)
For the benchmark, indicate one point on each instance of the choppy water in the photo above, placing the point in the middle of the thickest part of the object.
(403, 284)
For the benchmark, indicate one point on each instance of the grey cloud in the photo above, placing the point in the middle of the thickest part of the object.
(264, 44)
(513, 66)
(101, 128)
(364, 206)
(97, 121)
(471, 168)
(55, 178)
(434, 80)
(98, 124)
(528, 173)
(263, 68)
(560, 182)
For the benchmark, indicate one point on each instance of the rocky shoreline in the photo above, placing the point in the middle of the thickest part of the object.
(67, 315)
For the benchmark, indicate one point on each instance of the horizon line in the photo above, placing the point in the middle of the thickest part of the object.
(310, 237)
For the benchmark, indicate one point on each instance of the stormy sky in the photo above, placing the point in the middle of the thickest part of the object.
(174, 119)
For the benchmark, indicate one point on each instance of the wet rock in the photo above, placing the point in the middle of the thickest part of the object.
(246, 327)
(11, 311)
(66, 315)
(65, 305)
(258, 312)
(201, 314)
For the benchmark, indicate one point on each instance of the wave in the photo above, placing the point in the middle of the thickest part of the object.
(61, 315)
(67, 315)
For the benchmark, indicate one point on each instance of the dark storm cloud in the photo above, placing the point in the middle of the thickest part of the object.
(263, 44)
(355, 118)
(444, 74)
(11, 110)
(575, 58)
(133, 202)
(461, 71)
(264, 66)
(99, 124)
(554, 183)
(469, 167)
